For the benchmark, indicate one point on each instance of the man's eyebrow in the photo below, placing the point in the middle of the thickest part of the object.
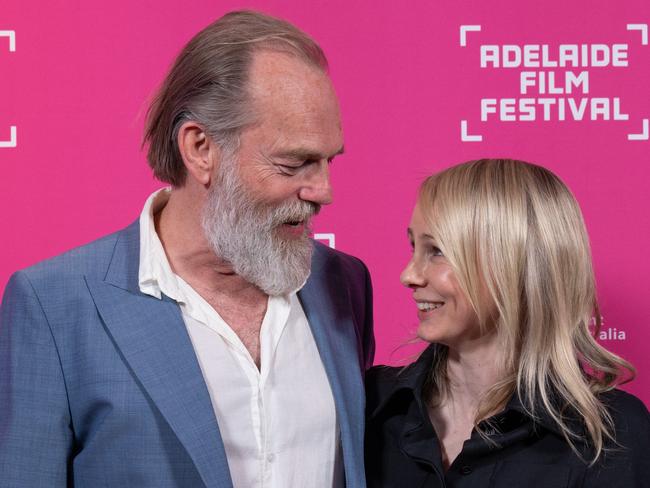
(300, 153)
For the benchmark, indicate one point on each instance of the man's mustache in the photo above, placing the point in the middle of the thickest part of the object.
(294, 212)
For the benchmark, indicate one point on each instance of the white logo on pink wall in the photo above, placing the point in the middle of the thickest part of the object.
(556, 82)
(13, 139)
(327, 238)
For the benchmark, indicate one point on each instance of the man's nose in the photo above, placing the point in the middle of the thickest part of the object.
(317, 187)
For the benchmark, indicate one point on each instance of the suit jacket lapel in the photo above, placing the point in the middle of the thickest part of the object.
(153, 340)
(327, 305)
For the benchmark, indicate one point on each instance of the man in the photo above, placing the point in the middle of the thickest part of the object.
(211, 343)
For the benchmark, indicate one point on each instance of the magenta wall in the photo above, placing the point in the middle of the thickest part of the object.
(75, 89)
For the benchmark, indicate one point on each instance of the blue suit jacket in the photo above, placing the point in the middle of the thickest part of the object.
(100, 385)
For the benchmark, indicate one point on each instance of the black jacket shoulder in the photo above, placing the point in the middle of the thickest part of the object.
(631, 420)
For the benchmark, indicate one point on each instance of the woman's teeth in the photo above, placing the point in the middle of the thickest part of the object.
(426, 306)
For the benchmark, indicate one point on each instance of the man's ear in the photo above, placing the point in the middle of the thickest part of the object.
(198, 151)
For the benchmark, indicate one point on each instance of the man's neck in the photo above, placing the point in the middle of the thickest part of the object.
(178, 225)
(240, 304)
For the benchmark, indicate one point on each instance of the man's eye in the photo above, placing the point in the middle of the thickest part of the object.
(288, 170)
(295, 166)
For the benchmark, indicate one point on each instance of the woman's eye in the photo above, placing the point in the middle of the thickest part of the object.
(435, 251)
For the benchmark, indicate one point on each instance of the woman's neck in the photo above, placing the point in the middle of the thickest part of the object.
(472, 370)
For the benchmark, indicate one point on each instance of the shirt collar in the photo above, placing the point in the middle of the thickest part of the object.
(155, 275)
(413, 378)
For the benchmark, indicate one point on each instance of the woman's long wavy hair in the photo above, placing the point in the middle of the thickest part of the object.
(515, 229)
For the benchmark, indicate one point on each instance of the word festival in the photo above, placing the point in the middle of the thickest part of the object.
(553, 94)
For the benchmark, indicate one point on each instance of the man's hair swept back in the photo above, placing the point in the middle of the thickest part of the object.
(207, 84)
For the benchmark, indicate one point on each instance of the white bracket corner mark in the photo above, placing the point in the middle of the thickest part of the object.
(13, 140)
(12, 39)
(329, 237)
(464, 29)
(464, 136)
(644, 31)
(641, 137)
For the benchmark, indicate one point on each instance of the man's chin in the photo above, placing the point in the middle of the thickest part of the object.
(286, 275)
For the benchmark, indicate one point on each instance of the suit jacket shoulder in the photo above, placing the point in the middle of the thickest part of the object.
(326, 256)
(90, 259)
(339, 270)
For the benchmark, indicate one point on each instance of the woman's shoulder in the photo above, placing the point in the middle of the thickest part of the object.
(624, 462)
(387, 384)
(624, 405)
(380, 381)
(384, 383)
(630, 416)
(382, 374)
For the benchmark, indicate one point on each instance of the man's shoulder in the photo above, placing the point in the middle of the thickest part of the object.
(328, 258)
(90, 259)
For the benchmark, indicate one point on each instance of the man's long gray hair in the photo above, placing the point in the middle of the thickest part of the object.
(207, 84)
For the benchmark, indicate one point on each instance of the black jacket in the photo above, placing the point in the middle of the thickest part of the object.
(402, 449)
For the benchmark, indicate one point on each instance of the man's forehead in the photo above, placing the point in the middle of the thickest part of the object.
(277, 73)
(294, 106)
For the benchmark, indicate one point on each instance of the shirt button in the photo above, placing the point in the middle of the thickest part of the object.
(270, 458)
(465, 470)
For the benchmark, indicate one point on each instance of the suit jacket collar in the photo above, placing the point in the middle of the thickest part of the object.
(123, 269)
(327, 305)
(151, 336)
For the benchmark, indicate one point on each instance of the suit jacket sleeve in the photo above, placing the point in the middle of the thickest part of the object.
(35, 427)
(360, 287)
(368, 336)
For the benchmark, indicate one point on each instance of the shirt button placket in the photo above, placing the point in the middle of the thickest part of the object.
(465, 469)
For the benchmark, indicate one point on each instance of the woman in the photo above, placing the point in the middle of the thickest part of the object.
(513, 390)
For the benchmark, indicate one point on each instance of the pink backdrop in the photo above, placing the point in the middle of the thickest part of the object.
(76, 84)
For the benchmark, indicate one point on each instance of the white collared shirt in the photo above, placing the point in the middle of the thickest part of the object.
(278, 423)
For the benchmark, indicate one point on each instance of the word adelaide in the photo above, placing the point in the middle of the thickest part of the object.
(564, 89)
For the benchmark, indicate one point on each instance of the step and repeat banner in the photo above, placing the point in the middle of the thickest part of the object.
(422, 84)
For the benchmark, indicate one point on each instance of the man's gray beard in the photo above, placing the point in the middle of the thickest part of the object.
(244, 232)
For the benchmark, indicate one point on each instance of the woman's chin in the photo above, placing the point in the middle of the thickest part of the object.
(429, 333)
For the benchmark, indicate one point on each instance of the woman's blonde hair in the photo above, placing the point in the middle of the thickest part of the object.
(514, 229)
